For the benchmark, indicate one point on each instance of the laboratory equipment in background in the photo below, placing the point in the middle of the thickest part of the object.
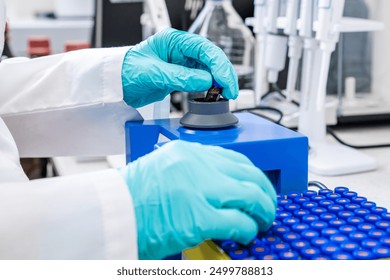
(220, 23)
(360, 67)
(74, 9)
(327, 158)
(38, 46)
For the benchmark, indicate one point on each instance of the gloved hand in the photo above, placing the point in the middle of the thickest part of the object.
(173, 60)
(185, 193)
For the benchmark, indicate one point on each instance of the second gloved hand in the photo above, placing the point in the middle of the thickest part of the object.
(175, 60)
(185, 193)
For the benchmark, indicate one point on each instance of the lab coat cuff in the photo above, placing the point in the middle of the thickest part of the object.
(112, 72)
(118, 216)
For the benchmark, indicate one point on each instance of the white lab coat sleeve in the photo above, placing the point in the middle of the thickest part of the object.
(66, 104)
(87, 216)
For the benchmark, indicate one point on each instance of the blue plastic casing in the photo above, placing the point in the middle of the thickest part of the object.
(280, 153)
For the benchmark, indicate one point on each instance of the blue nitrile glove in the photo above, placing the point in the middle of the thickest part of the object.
(175, 60)
(185, 193)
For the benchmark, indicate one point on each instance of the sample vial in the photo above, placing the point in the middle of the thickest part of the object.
(363, 254)
(238, 254)
(325, 203)
(338, 239)
(300, 227)
(310, 253)
(340, 190)
(327, 217)
(349, 246)
(365, 227)
(341, 256)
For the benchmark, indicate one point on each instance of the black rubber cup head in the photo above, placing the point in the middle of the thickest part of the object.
(208, 115)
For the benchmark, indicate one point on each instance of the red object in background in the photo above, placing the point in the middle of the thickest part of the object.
(38, 46)
(76, 45)
(6, 32)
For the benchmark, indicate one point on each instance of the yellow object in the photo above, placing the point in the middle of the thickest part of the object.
(205, 251)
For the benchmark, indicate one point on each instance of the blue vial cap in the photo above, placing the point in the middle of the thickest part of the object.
(291, 236)
(385, 241)
(309, 193)
(349, 194)
(284, 201)
(318, 198)
(378, 210)
(269, 257)
(386, 216)
(292, 195)
(256, 241)
(328, 232)
(318, 225)
(309, 218)
(347, 229)
(309, 234)
(377, 233)
(292, 207)
(283, 215)
(300, 213)
(342, 201)
(341, 189)
(335, 208)
(271, 240)
(349, 246)
(289, 256)
(381, 252)
(337, 223)
(372, 218)
(370, 243)
(382, 224)
(249, 258)
(330, 248)
(319, 241)
(259, 250)
(290, 221)
(361, 212)
(238, 254)
(338, 238)
(216, 84)
(276, 223)
(309, 205)
(358, 236)
(309, 253)
(363, 254)
(229, 245)
(368, 204)
(280, 247)
(342, 256)
(300, 245)
(324, 192)
(318, 210)
(355, 221)
(345, 214)
(351, 206)
(301, 200)
(327, 217)
(321, 258)
(358, 199)
(300, 227)
(333, 196)
(279, 208)
(325, 202)
(365, 227)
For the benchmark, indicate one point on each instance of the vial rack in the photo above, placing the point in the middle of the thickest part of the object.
(323, 225)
